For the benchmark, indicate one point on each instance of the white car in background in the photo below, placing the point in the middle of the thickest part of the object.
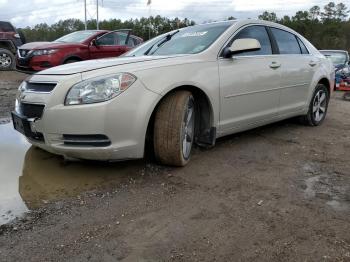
(189, 86)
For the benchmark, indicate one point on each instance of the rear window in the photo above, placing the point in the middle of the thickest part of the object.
(303, 48)
(6, 27)
(287, 42)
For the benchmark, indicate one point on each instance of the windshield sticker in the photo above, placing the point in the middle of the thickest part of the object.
(194, 34)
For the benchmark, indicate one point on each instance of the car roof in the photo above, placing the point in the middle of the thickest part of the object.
(242, 22)
(334, 51)
(94, 31)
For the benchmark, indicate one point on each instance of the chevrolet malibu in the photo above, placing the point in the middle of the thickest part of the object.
(189, 86)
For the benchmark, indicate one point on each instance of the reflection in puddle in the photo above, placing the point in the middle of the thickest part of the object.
(13, 147)
(30, 176)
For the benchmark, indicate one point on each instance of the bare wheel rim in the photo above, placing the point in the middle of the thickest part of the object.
(319, 105)
(188, 129)
(5, 60)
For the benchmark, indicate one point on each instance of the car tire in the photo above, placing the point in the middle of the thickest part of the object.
(318, 107)
(70, 61)
(7, 60)
(174, 129)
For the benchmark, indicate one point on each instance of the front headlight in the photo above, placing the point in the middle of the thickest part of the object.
(45, 51)
(99, 89)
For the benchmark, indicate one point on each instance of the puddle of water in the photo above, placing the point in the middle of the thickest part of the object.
(30, 177)
(310, 183)
(337, 206)
(326, 187)
(13, 147)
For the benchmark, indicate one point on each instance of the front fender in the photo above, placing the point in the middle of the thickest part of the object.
(203, 75)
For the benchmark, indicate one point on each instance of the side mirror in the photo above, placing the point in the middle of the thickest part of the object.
(242, 45)
(93, 43)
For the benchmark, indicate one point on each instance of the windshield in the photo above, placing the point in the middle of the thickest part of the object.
(338, 58)
(76, 37)
(189, 40)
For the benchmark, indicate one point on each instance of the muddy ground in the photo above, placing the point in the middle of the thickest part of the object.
(9, 82)
(276, 193)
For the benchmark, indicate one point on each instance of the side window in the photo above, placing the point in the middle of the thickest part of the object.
(6, 27)
(107, 39)
(132, 42)
(259, 33)
(303, 48)
(122, 38)
(287, 42)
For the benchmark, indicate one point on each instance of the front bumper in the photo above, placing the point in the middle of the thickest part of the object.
(32, 63)
(121, 122)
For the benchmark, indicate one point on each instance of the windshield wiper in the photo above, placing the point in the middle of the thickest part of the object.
(166, 39)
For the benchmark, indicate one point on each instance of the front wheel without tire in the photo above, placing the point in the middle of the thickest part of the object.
(174, 129)
(318, 106)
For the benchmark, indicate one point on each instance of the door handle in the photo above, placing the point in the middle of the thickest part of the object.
(313, 63)
(275, 65)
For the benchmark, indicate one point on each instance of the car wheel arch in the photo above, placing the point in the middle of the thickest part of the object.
(205, 127)
(325, 82)
(7, 44)
(320, 79)
(74, 57)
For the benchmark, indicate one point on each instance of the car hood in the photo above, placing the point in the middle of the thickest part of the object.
(90, 65)
(46, 45)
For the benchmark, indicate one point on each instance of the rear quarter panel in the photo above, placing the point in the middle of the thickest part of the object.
(325, 71)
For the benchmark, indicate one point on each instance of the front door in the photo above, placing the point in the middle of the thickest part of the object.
(108, 45)
(249, 84)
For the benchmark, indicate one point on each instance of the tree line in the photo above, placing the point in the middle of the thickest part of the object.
(143, 27)
(327, 27)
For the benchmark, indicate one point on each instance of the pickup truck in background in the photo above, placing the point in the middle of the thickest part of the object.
(10, 39)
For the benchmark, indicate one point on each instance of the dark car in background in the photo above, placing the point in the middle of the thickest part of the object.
(341, 61)
(10, 39)
(75, 47)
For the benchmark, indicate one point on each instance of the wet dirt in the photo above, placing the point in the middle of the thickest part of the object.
(276, 193)
(9, 83)
(31, 177)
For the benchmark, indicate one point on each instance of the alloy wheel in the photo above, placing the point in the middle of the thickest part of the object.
(319, 105)
(188, 129)
(5, 60)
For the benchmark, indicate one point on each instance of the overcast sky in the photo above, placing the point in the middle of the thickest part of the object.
(30, 12)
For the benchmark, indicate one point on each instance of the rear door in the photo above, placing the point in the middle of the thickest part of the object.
(126, 42)
(249, 84)
(297, 70)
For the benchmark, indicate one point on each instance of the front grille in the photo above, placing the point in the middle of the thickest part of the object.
(32, 110)
(40, 87)
(86, 140)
